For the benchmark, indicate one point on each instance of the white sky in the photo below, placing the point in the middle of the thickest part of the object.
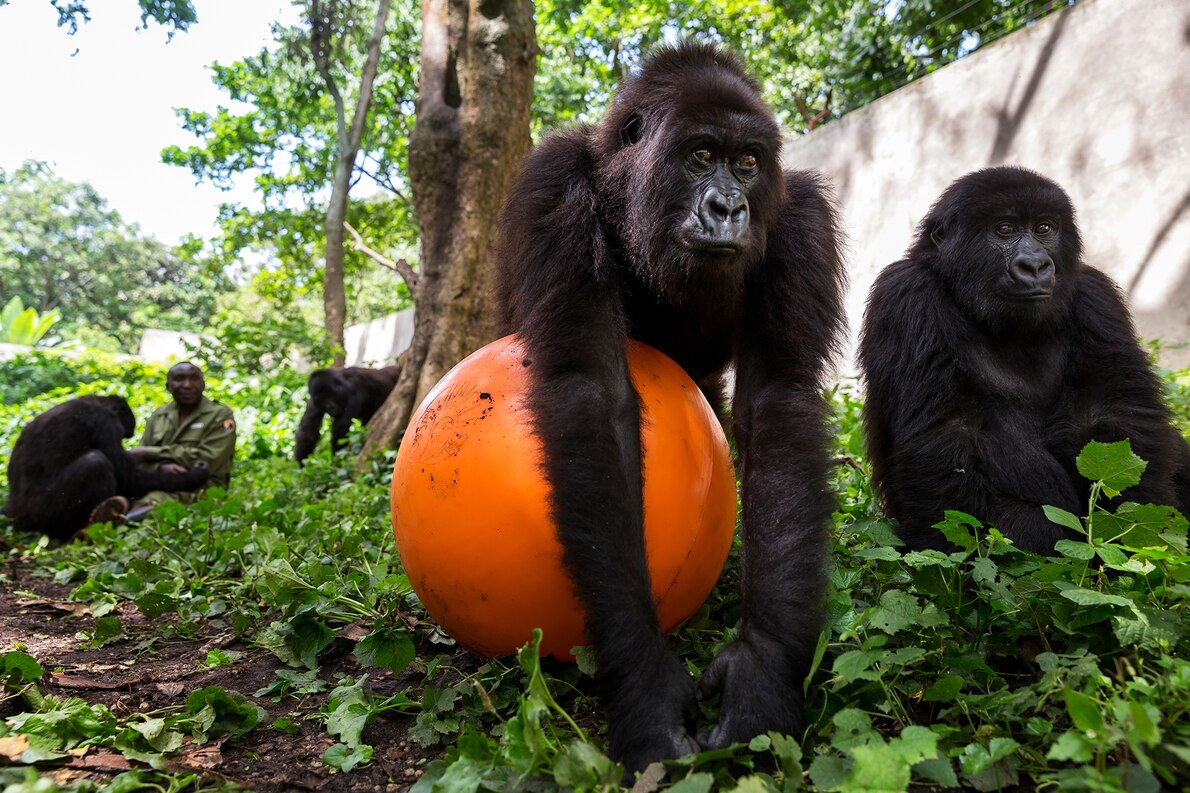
(104, 114)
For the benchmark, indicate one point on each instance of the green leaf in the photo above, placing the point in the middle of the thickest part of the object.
(1091, 597)
(828, 772)
(1063, 518)
(939, 770)
(159, 735)
(853, 728)
(107, 630)
(1144, 723)
(1083, 710)
(944, 690)
(1073, 549)
(346, 758)
(217, 711)
(855, 665)
(18, 668)
(878, 769)
(916, 744)
(1072, 747)
(388, 650)
(1154, 629)
(694, 783)
(896, 612)
(1113, 464)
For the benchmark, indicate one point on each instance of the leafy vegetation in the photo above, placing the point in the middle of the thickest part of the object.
(986, 668)
(20, 325)
(62, 248)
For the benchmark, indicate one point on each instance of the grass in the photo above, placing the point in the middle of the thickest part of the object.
(985, 669)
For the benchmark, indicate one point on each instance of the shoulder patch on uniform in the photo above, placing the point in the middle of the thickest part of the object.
(229, 425)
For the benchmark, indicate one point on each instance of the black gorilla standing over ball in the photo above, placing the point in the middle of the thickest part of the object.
(671, 222)
(992, 355)
(71, 457)
(346, 394)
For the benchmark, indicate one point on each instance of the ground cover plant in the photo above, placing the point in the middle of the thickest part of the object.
(266, 638)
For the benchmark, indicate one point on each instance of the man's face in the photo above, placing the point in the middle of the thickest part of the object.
(184, 382)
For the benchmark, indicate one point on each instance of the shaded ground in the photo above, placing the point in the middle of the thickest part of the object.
(143, 672)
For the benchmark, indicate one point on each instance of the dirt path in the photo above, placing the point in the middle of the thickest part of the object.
(143, 672)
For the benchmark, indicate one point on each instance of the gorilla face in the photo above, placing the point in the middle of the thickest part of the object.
(1005, 241)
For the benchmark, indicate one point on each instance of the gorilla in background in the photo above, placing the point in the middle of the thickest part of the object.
(355, 392)
(671, 222)
(71, 457)
(992, 355)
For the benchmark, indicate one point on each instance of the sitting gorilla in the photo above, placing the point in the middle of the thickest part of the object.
(992, 355)
(352, 393)
(71, 457)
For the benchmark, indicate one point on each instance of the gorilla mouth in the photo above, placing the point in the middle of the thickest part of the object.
(712, 246)
(1033, 297)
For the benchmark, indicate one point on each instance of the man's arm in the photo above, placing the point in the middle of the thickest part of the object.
(215, 446)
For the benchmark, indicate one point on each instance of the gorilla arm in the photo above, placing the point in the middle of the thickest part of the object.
(938, 437)
(1116, 395)
(790, 332)
(558, 291)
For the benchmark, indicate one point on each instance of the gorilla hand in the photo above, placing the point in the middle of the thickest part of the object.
(656, 718)
(760, 691)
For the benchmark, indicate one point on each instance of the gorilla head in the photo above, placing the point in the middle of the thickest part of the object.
(688, 171)
(1005, 241)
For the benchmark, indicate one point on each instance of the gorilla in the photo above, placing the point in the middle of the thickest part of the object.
(71, 457)
(671, 222)
(991, 355)
(355, 392)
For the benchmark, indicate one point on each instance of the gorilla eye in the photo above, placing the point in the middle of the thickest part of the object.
(1005, 229)
(1044, 227)
(704, 156)
(747, 162)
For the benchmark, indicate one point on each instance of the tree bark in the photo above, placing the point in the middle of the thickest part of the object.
(348, 139)
(477, 63)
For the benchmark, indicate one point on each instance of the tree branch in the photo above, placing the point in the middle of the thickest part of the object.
(400, 266)
(813, 120)
(320, 45)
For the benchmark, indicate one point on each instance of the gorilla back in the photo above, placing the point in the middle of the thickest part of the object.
(671, 222)
(70, 458)
(992, 355)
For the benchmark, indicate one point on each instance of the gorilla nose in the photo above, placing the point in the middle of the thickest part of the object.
(724, 215)
(1034, 273)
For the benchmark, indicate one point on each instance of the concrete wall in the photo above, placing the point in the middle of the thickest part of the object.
(1096, 96)
(166, 346)
(380, 341)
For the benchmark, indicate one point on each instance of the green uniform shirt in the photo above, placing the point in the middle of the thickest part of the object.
(209, 434)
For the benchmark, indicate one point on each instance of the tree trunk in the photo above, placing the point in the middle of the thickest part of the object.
(334, 296)
(477, 64)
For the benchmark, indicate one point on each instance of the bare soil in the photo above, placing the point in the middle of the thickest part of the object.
(143, 672)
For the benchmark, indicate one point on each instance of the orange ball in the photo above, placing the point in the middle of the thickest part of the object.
(470, 503)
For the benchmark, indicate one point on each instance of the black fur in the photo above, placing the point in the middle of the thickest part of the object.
(610, 231)
(346, 394)
(71, 457)
(980, 402)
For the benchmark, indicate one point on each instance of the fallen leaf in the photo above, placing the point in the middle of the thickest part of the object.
(68, 681)
(13, 746)
(171, 690)
(107, 761)
(353, 632)
(77, 609)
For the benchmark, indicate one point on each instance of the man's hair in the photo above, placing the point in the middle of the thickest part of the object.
(180, 364)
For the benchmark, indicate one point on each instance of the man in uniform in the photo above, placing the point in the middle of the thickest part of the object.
(190, 430)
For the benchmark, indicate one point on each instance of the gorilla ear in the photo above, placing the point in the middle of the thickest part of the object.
(631, 130)
(937, 236)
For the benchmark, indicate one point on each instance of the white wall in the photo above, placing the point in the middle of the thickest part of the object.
(1096, 96)
(380, 341)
